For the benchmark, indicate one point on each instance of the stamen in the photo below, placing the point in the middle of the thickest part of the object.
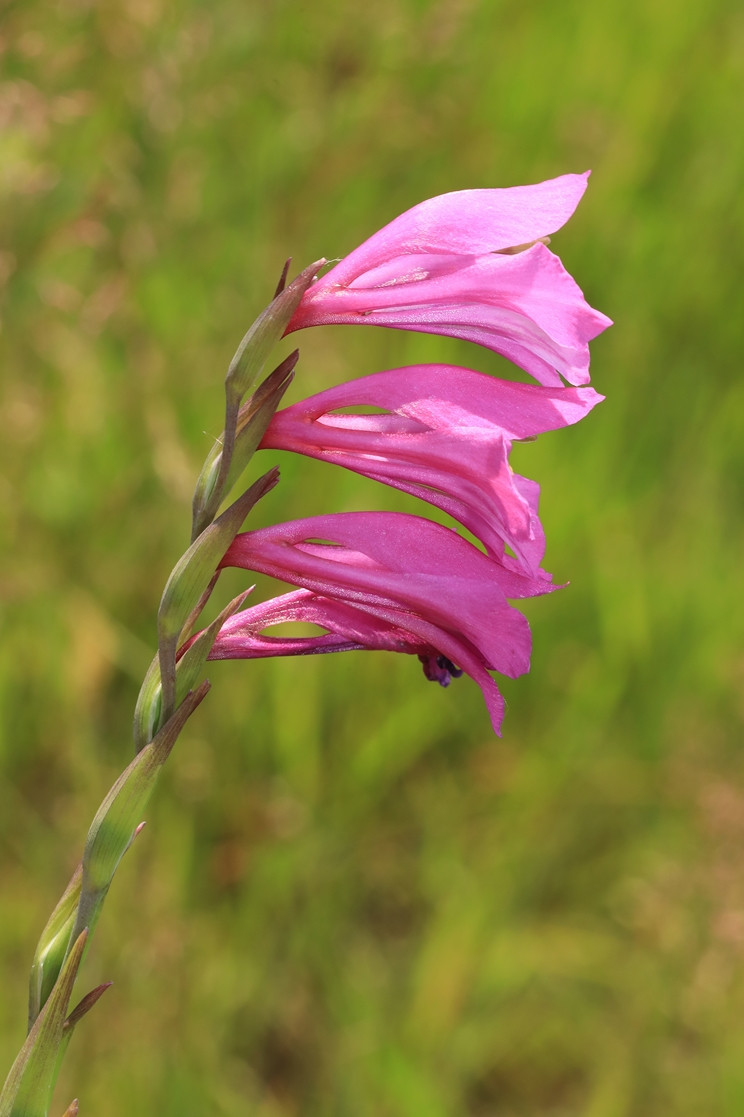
(439, 669)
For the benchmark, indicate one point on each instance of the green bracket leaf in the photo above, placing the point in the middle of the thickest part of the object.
(28, 1088)
(214, 481)
(191, 577)
(118, 818)
(53, 946)
(148, 711)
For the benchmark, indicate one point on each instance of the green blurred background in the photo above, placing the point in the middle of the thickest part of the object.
(350, 898)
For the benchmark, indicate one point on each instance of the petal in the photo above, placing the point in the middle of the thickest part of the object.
(449, 397)
(241, 636)
(525, 307)
(468, 479)
(468, 222)
(393, 560)
(444, 443)
(351, 629)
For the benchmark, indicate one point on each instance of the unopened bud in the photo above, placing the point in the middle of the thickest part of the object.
(268, 328)
(252, 420)
(118, 818)
(28, 1087)
(52, 948)
(192, 575)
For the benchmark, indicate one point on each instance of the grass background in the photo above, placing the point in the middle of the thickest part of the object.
(350, 899)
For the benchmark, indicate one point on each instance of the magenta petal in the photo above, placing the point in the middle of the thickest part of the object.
(470, 399)
(468, 223)
(447, 267)
(446, 442)
(351, 628)
(241, 636)
(392, 560)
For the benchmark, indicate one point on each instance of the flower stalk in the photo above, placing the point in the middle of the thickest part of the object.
(172, 690)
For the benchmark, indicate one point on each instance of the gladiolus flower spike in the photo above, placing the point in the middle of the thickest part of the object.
(473, 265)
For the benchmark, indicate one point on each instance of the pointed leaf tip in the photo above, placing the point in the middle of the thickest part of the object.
(268, 328)
(86, 1004)
(283, 278)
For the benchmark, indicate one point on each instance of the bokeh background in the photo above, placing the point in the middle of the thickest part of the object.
(350, 898)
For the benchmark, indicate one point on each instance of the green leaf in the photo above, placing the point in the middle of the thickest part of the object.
(191, 576)
(28, 1088)
(252, 420)
(53, 946)
(118, 818)
(189, 667)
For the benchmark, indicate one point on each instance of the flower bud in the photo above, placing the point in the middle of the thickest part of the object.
(28, 1088)
(117, 820)
(52, 947)
(191, 577)
(252, 421)
(268, 328)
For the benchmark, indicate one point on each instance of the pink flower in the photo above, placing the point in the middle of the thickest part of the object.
(351, 628)
(388, 580)
(470, 265)
(444, 435)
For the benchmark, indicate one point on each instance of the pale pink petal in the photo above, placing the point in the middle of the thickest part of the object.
(468, 223)
(525, 307)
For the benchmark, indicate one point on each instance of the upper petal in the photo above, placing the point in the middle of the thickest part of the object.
(447, 397)
(468, 222)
